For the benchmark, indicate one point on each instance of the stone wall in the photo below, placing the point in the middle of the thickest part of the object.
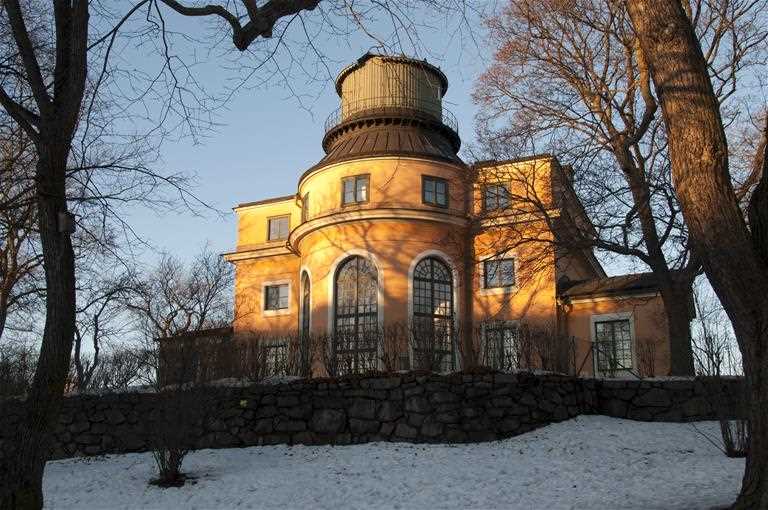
(404, 407)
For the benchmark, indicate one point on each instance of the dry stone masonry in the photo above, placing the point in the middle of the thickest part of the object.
(404, 407)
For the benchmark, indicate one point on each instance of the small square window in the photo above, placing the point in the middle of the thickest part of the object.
(278, 228)
(434, 191)
(499, 273)
(496, 197)
(354, 189)
(276, 297)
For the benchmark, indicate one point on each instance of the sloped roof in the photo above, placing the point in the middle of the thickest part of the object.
(612, 285)
(390, 140)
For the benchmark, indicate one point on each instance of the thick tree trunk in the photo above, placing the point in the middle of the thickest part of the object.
(23, 470)
(699, 158)
(677, 308)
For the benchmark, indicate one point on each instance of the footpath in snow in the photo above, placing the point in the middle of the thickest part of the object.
(591, 462)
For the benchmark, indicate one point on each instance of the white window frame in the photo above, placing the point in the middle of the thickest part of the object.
(281, 311)
(498, 290)
(608, 317)
(287, 217)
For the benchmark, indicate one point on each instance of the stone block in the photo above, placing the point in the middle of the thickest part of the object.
(362, 408)
(328, 421)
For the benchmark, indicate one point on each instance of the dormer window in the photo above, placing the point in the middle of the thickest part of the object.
(278, 228)
(496, 197)
(354, 190)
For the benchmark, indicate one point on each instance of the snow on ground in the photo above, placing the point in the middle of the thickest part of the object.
(591, 462)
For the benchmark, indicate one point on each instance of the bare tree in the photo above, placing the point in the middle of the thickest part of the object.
(58, 64)
(569, 78)
(101, 321)
(174, 300)
(733, 249)
(20, 260)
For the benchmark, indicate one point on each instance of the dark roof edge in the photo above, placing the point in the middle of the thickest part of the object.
(266, 201)
(398, 58)
(495, 162)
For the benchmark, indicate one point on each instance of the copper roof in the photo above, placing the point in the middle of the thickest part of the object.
(390, 137)
(611, 285)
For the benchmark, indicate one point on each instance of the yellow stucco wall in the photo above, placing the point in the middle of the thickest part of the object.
(648, 322)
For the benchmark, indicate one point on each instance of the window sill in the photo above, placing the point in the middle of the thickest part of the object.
(273, 313)
(491, 291)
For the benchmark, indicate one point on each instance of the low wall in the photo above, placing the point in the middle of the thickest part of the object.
(408, 407)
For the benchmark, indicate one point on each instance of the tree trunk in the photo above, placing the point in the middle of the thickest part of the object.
(699, 158)
(23, 470)
(677, 309)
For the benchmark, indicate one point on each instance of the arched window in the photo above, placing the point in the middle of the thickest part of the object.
(355, 347)
(432, 331)
(304, 321)
(305, 304)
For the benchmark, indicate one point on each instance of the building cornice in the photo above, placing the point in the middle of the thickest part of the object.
(377, 214)
(257, 253)
(426, 159)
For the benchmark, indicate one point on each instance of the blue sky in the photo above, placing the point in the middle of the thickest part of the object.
(267, 138)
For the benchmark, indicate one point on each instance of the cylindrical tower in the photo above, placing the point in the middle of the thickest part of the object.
(379, 82)
(384, 212)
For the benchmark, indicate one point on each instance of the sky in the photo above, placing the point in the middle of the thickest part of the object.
(266, 138)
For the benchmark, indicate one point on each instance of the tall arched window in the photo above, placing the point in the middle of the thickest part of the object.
(305, 304)
(432, 332)
(306, 292)
(355, 346)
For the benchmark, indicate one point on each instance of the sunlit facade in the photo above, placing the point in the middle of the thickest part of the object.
(392, 231)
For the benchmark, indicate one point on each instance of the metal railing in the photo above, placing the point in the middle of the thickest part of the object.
(389, 105)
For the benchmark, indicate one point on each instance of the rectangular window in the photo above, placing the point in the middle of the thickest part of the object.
(613, 346)
(434, 191)
(305, 208)
(276, 297)
(501, 347)
(496, 197)
(354, 190)
(278, 227)
(499, 273)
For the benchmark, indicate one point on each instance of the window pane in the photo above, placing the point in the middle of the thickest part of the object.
(496, 196)
(441, 193)
(305, 207)
(613, 346)
(499, 273)
(362, 188)
(278, 228)
(432, 333)
(355, 346)
(276, 297)
(349, 190)
(429, 190)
